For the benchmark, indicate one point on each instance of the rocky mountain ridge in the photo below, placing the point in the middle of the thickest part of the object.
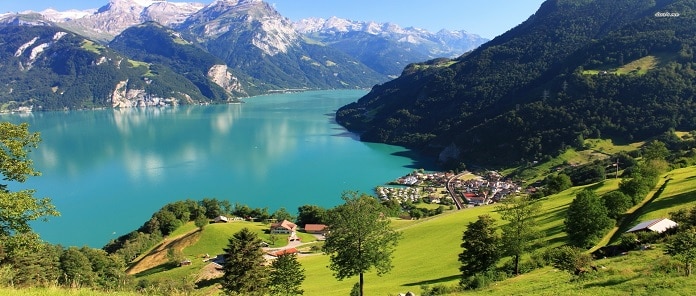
(445, 43)
(265, 51)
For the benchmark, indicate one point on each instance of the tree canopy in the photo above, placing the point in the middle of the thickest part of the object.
(586, 219)
(520, 233)
(481, 244)
(360, 237)
(21, 207)
(286, 276)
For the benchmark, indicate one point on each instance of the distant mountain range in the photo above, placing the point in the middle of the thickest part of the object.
(261, 51)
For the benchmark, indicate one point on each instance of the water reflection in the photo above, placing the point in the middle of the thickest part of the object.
(272, 151)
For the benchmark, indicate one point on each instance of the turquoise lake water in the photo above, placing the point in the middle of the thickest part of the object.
(107, 171)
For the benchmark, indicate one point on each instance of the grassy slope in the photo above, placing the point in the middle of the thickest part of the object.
(428, 253)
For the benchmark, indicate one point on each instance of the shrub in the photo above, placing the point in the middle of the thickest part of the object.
(629, 241)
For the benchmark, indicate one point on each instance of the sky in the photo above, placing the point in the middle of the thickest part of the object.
(487, 18)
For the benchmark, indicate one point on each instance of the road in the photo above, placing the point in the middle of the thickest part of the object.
(453, 193)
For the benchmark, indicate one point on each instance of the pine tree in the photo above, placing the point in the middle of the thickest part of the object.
(245, 273)
(286, 276)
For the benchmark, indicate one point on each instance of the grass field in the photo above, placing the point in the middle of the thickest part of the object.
(638, 67)
(428, 252)
(597, 149)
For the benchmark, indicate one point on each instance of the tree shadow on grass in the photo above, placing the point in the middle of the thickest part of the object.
(207, 283)
(610, 282)
(434, 281)
(158, 269)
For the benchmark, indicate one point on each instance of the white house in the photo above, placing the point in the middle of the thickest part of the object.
(220, 219)
(658, 225)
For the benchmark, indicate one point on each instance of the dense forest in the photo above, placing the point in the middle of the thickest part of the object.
(573, 70)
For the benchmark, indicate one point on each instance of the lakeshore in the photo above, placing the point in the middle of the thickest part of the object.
(115, 167)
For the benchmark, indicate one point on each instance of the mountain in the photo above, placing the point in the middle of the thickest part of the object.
(387, 48)
(263, 51)
(575, 69)
(253, 38)
(153, 43)
(118, 15)
(46, 67)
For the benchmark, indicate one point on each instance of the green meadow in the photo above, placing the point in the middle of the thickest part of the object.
(428, 253)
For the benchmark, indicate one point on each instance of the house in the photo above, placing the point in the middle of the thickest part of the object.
(277, 253)
(315, 228)
(284, 227)
(220, 219)
(658, 225)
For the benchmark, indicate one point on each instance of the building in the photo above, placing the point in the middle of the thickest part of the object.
(220, 219)
(284, 227)
(658, 225)
(277, 253)
(315, 228)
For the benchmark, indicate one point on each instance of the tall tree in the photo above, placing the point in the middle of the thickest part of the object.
(310, 214)
(481, 245)
(655, 150)
(520, 233)
(360, 238)
(286, 276)
(18, 209)
(244, 270)
(77, 270)
(616, 203)
(282, 214)
(558, 183)
(586, 219)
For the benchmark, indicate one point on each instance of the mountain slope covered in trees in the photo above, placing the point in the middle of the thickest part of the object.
(574, 69)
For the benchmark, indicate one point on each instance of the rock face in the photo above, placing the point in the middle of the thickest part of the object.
(221, 75)
(118, 15)
(270, 31)
(125, 97)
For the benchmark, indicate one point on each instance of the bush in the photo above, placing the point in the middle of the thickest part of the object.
(570, 259)
(481, 280)
(629, 241)
(439, 290)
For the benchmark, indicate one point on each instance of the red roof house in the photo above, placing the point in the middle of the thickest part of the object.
(315, 228)
(284, 226)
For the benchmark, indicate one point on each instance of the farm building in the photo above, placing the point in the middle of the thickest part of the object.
(658, 225)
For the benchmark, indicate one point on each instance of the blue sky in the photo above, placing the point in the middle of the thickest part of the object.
(487, 18)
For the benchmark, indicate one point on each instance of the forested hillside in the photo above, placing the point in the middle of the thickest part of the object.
(574, 69)
(153, 43)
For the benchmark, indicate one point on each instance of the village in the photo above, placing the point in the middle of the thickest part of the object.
(464, 189)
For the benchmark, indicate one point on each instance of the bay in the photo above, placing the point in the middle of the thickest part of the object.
(108, 170)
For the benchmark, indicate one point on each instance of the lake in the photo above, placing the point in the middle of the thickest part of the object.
(108, 170)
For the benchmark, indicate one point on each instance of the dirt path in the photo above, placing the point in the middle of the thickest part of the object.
(159, 254)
